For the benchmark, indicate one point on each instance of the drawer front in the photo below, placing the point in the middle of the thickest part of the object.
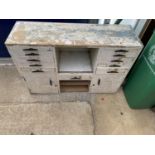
(107, 83)
(118, 62)
(123, 57)
(21, 50)
(111, 70)
(34, 61)
(75, 76)
(37, 72)
(25, 56)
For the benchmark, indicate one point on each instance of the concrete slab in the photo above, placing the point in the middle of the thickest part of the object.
(56, 118)
(112, 115)
(12, 87)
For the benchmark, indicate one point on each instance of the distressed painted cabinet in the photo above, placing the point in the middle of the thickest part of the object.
(61, 57)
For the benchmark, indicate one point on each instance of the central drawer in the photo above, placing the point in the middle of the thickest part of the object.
(75, 76)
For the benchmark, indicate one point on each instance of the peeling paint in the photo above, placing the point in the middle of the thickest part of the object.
(66, 34)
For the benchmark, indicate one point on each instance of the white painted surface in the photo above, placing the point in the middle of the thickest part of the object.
(75, 61)
(41, 82)
(107, 83)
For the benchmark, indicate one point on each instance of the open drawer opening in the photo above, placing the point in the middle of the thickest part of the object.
(75, 59)
(74, 86)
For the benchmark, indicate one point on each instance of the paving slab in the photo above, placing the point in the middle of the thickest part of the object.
(112, 115)
(37, 119)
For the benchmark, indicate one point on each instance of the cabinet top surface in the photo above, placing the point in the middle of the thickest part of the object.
(66, 34)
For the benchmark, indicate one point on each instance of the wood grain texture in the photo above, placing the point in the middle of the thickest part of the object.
(66, 34)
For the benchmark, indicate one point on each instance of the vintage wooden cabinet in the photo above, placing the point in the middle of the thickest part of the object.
(63, 57)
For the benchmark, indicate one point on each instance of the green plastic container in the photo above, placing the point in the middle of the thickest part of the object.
(139, 88)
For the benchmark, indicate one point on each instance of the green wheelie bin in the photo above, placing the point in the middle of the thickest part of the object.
(139, 88)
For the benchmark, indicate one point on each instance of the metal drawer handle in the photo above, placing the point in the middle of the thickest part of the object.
(112, 71)
(37, 71)
(119, 55)
(30, 49)
(114, 65)
(51, 82)
(99, 81)
(31, 54)
(33, 60)
(116, 61)
(122, 51)
(76, 78)
(35, 65)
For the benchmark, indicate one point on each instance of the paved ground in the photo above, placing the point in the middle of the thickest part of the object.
(21, 113)
(113, 116)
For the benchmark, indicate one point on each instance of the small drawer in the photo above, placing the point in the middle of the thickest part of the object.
(37, 72)
(21, 50)
(112, 70)
(122, 62)
(75, 76)
(126, 52)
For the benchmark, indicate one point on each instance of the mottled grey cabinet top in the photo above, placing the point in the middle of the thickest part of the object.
(65, 34)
